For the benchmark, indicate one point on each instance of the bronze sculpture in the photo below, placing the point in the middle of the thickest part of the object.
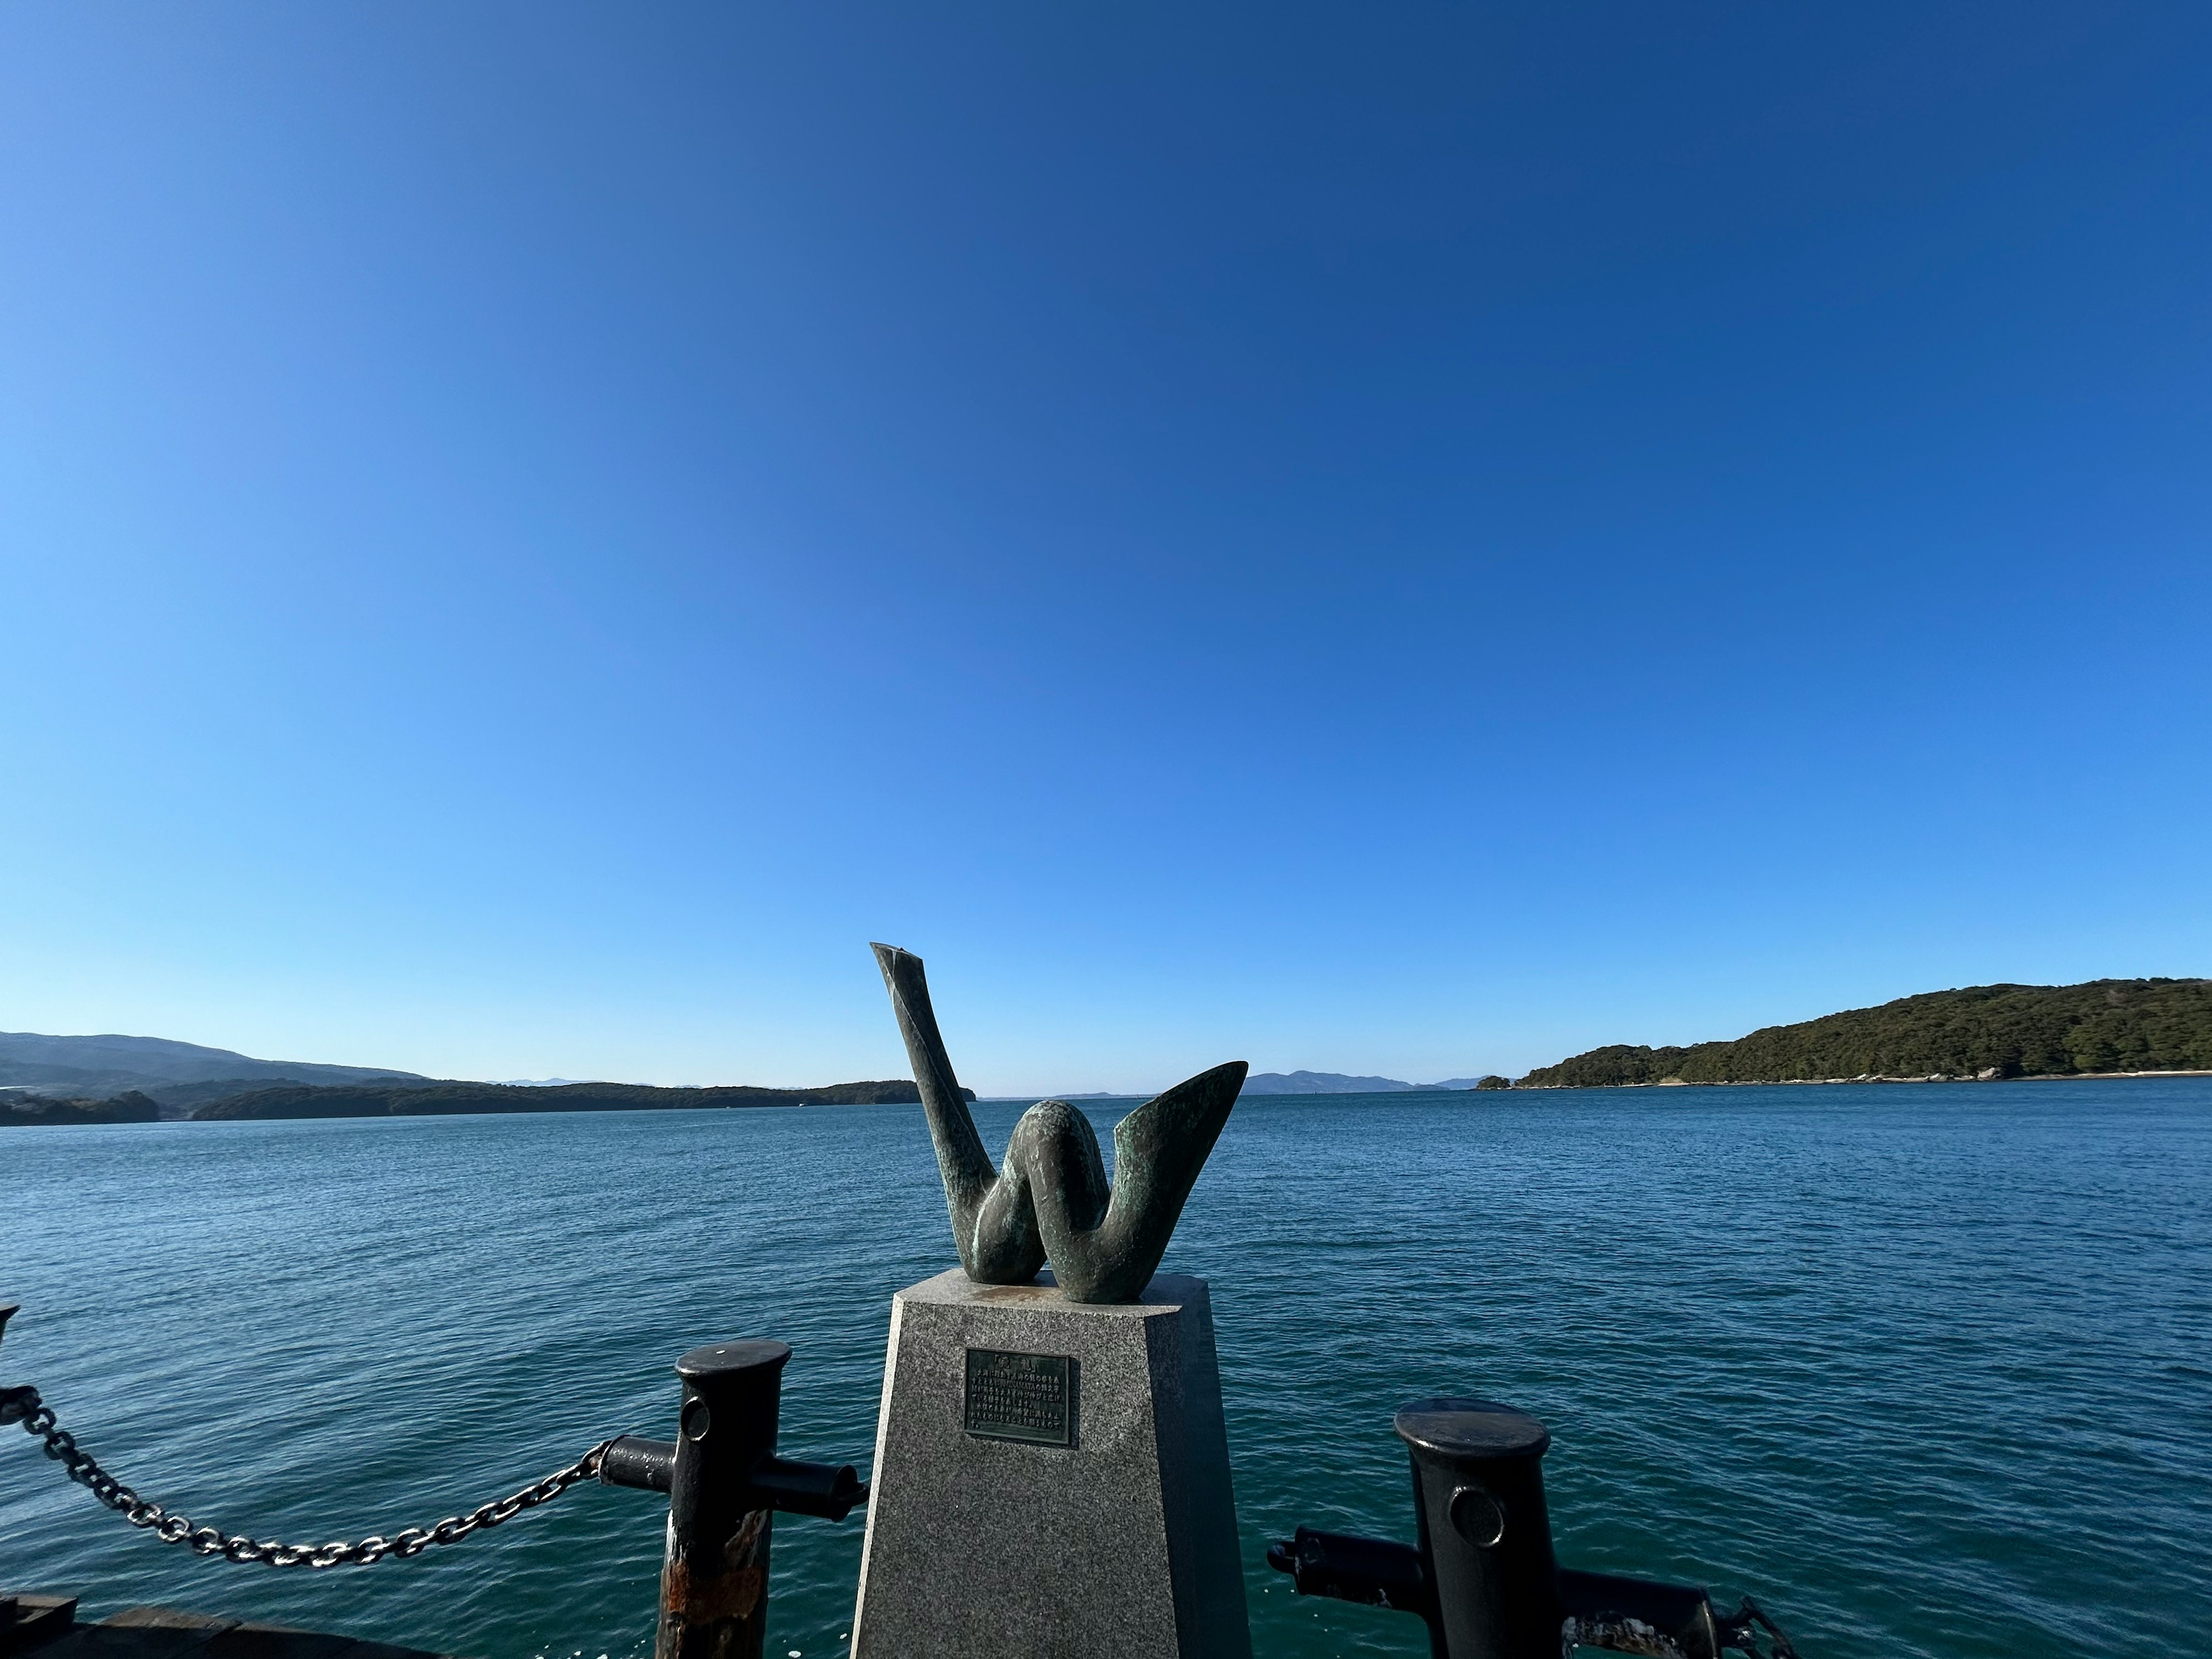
(1051, 1201)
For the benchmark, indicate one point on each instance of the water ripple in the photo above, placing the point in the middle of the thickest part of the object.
(1924, 1369)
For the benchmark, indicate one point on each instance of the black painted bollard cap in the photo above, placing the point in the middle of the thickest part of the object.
(1477, 1429)
(725, 1359)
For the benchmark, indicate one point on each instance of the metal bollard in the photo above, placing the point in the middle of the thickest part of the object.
(724, 1483)
(1484, 1578)
(1478, 1494)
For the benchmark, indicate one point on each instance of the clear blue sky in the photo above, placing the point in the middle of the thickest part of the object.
(1411, 540)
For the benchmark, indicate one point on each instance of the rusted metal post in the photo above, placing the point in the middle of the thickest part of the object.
(713, 1589)
(724, 1483)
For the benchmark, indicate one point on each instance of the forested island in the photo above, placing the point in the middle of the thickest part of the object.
(1984, 1031)
(39, 1112)
(457, 1099)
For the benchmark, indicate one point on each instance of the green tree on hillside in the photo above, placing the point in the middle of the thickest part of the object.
(2012, 1031)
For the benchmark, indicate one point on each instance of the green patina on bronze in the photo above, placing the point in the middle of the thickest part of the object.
(1050, 1202)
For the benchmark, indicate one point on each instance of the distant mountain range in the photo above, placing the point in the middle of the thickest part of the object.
(474, 1099)
(1336, 1083)
(175, 1076)
(2107, 1025)
(180, 1077)
(113, 1079)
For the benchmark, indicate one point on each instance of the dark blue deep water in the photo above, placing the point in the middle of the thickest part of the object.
(1927, 1369)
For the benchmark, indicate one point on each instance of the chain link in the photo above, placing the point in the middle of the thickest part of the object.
(23, 1406)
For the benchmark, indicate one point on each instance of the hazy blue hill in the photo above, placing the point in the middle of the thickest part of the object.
(128, 1080)
(1321, 1083)
(99, 1066)
(1336, 1083)
(459, 1099)
(2001, 1030)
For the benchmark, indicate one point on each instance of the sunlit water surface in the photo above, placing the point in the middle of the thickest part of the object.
(1927, 1370)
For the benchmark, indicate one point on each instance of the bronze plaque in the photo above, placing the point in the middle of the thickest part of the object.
(1021, 1396)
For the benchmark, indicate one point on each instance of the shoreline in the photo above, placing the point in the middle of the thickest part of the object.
(1826, 1082)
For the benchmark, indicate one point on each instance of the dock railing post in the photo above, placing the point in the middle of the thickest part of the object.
(1484, 1577)
(1485, 1534)
(725, 1483)
(713, 1589)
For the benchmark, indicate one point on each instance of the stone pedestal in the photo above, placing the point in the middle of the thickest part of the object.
(1051, 1480)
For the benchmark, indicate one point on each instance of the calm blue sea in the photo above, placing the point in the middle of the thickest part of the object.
(1927, 1369)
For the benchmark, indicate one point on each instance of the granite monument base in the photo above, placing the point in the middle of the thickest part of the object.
(1051, 1479)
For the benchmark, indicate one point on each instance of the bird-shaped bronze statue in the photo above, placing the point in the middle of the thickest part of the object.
(1050, 1201)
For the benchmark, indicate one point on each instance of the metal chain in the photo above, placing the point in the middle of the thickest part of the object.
(23, 1405)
